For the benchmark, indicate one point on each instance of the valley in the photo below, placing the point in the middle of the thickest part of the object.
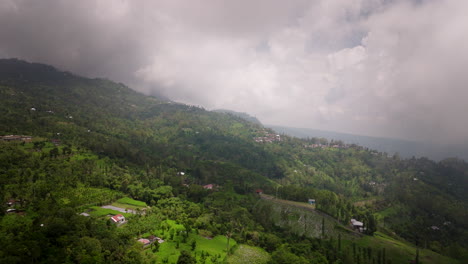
(212, 186)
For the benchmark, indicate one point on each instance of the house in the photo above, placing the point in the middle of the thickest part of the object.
(16, 138)
(144, 241)
(11, 138)
(155, 238)
(311, 201)
(26, 138)
(118, 219)
(259, 191)
(357, 225)
(208, 187)
(13, 202)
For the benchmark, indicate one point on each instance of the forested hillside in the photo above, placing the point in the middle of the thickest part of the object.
(191, 177)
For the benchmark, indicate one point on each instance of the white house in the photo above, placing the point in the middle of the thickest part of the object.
(357, 225)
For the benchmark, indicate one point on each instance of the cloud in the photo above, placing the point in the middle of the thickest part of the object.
(373, 67)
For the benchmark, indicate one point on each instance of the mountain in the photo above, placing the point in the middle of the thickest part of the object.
(189, 174)
(391, 146)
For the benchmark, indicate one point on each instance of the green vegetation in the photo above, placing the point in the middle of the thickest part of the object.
(98, 143)
(99, 212)
(215, 246)
(249, 254)
(130, 201)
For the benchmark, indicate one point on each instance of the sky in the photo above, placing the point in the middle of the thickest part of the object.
(369, 67)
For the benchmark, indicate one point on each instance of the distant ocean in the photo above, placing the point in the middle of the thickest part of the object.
(405, 148)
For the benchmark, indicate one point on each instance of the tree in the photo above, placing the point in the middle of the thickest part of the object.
(186, 258)
(194, 245)
(283, 255)
(416, 260)
(371, 224)
(54, 152)
(323, 227)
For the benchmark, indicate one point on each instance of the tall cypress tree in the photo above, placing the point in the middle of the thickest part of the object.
(383, 256)
(417, 256)
(323, 227)
(339, 242)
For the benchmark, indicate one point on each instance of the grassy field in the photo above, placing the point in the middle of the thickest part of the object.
(248, 254)
(305, 206)
(99, 212)
(82, 156)
(130, 201)
(302, 219)
(126, 206)
(83, 196)
(400, 251)
(214, 246)
(368, 201)
(207, 251)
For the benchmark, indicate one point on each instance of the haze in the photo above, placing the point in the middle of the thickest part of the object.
(370, 67)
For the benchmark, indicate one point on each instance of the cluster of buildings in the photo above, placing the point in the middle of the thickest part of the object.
(326, 146)
(268, 138)
(150, 240)
(210, 186)
(16, 138)
(13, 206)
(120, 219)
(27, 139)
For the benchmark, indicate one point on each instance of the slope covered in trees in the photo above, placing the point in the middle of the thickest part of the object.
(94, 141)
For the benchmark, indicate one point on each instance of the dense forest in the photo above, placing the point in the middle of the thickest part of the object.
(202, 186)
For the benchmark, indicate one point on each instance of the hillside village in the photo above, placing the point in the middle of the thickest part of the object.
(267, 137)
(154, 182)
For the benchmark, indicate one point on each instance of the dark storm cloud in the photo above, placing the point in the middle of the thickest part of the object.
(375, 67)
(87, 37)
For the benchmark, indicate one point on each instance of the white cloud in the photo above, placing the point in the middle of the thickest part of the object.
(375, 67)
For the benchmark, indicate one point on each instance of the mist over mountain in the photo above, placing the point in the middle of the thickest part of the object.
(391, 146)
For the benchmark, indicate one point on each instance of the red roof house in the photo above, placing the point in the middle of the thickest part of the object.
(118, 218)
(144, 241)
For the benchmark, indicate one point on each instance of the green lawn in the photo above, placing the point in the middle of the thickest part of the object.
(401, 251)
(168, 250)
(208, 249)
(83, 196)
(249, 254)
(82, 156)
(130, 201)
(387, 212)
(214, 246)
(126, 206)
(99, 212)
